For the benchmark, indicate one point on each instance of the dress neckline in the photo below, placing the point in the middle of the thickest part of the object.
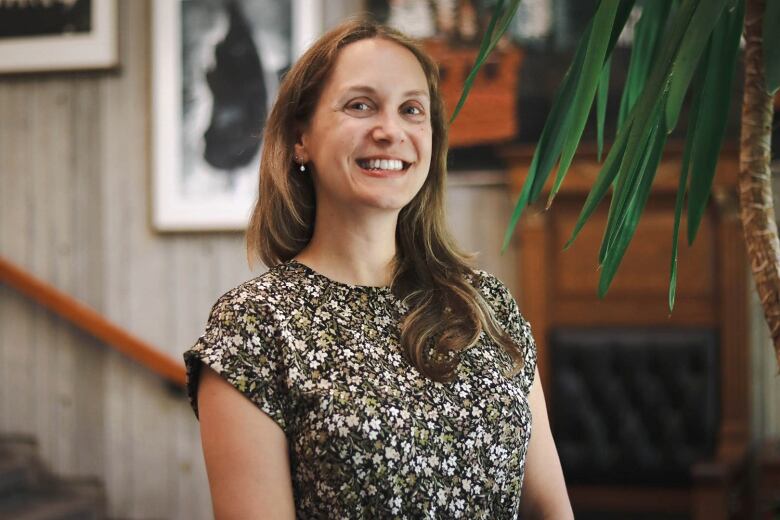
(376, 289)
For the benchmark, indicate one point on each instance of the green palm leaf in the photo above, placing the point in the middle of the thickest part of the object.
(499, 21)
(683, 184)
(716, 99)
(603, 182)
(601, 105)
(671, 45)
(610, 19)
(697, 35)
(590, 75)
(647, 39)
(712, 81)
(642, 120)
(558, 124)
(550, 141)
(632, 174)
(668, 80)
(646, 174)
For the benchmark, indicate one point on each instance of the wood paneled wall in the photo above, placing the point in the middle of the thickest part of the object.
(74, 211)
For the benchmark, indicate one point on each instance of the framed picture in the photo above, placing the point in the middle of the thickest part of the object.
(217, 67)
(52, 36)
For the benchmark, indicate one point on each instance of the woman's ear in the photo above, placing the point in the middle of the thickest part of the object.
(300, 147)
(300, 153)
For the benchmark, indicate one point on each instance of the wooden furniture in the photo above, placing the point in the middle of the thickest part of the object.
(559, 289)
(490, 113)
(767, 493)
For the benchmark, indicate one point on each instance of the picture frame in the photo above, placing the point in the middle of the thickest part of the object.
(204, 172)
(58, 36)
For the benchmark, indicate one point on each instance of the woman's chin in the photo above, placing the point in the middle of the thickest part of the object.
(388, 202)
(390, 195)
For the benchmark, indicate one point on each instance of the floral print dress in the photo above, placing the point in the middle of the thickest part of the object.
(368, 435)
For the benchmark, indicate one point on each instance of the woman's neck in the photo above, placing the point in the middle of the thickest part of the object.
(353, 251)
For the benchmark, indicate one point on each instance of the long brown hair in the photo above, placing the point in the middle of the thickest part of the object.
(446, 312)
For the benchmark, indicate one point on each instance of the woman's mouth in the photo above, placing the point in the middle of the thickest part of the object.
(383, 167)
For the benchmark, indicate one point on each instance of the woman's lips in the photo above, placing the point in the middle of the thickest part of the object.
(382, 173)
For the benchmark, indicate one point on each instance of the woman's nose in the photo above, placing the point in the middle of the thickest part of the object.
(388, 128)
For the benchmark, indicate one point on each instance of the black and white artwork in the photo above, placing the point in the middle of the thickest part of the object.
(57, 35)
(218, 66)
(30, 19)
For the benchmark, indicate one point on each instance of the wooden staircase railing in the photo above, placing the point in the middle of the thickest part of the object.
(92, 322)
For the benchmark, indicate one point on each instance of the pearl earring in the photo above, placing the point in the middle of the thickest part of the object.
(301, 166)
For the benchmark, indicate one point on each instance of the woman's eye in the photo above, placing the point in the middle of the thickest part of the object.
(360, 106)
(413, 110)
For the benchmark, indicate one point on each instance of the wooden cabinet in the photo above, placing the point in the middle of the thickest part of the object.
(490, 114)
(559, 289)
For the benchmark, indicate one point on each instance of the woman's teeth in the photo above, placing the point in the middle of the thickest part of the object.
(382, 164)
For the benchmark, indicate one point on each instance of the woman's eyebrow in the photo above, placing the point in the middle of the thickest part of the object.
(372, 90)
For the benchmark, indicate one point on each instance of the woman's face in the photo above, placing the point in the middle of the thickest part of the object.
(369, 140)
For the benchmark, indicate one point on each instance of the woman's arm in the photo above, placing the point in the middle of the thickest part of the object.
(544, 492)
(246, 454)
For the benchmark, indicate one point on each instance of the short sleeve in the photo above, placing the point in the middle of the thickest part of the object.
(240, 343)
(519, 329)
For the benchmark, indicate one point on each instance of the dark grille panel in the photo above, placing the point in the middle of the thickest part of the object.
(633, 406)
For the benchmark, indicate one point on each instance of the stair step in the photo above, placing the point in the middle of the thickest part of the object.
(29, 492)
(19, 471)
(49, 506)
(18, 444)
(15, 477)
(20, 468)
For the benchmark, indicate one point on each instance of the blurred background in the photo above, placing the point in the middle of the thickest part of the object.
(130, 134)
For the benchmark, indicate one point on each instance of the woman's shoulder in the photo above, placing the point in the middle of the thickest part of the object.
(252, 312)
(481, 276)
(490, 285)
(497, 295)
(271, 290)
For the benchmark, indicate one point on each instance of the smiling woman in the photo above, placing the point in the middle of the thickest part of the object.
(369, 139)
(371, 371)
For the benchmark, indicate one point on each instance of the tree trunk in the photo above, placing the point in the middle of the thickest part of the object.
(755, 178)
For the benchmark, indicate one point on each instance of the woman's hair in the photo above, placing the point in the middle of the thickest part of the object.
(429, 272)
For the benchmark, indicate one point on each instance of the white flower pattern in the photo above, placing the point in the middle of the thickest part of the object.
(369, 436)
